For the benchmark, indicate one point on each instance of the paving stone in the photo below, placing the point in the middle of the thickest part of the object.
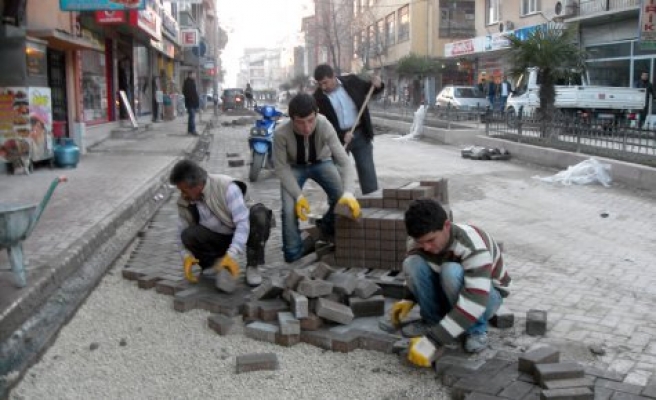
(261, 331)
(287, 340)
(627, 396)
(569, 383)
(603, 393)
(554, 371)
(188, 299)
(542, 355)
(482, 384)
(346, 342)
(580, 393)
(618, 386)
(166, 287)
(289, 325)
(333, 311)
(257, 362)
(503, 318)
(251, 311)
(225, 282)
(221, 324)
(235, 163)
(371, 307)
(321, 339)
(604, 373)
(516, 390)
(313, 288)
(299, 305)
(149, 281)
(381, 342)
(366, 288)
(269, 309)
(481, 396)
(343, 284)
(294, 277)
(321, 271)
(536, 322)
(134, 273)
(311, 323)
(269, 289)
(649, 390)
(452, 368)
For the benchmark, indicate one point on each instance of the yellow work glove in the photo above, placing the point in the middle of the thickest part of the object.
(302, 208)
(188, 263)
(228, 263)
(422, 352)
(400, 310)
(353, 205)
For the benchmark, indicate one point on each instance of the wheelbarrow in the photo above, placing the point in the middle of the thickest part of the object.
(16, 223)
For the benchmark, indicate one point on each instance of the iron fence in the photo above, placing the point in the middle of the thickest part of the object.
(444, 117)
(605, 138)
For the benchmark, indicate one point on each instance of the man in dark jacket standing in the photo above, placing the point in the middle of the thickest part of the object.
(340, 100)
(192, 101)
(644, 82)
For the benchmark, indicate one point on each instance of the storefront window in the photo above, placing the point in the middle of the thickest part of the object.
(142, 93)
(614, 50)
(610, 73)
(94, 86)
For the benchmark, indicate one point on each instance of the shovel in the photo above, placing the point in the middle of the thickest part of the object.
(357, 119)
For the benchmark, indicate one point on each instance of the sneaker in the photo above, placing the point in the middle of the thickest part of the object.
(476, 342)
(253, 276)
(415, 329)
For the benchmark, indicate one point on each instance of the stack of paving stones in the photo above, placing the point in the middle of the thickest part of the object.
(378, 239)
(536, 374)
(316, 304)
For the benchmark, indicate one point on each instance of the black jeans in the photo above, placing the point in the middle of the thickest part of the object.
(207, 246)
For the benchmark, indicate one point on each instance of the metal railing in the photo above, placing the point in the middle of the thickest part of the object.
(447, 118)
(605, 138)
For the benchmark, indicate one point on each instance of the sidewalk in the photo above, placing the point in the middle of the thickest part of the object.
(115, 189)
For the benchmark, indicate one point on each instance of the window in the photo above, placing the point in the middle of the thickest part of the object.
(457, 19)
(356, 7)
(356, 45)
(390, 29)
(492, 14)
(372, 40)
(380, 35)
(530, 6)
(404, 23)
(94, 86)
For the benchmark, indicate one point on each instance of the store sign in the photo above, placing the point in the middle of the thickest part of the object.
(170, 27)
(148, 20)
(185, 1)
(647, 21)
(460, 48)
(110, 17)
(100, 5)
(496, 41)
(189, 37)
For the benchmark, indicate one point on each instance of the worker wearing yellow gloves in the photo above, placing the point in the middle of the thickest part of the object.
(214, 219)
(307, 147)
(457, 276)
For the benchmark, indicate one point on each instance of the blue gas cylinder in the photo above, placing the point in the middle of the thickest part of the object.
(67, 154)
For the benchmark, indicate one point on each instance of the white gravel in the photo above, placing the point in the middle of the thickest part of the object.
(172, 355)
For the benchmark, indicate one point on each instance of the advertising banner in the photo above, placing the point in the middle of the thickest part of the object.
(110, 17)
(189, 37)
(100, 5)
(647, 34)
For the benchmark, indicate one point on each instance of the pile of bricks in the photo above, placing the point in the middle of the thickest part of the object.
(378, 239)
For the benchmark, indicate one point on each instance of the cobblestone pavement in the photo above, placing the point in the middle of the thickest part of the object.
(582, 253)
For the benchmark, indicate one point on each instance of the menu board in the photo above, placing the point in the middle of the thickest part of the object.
(25, 123)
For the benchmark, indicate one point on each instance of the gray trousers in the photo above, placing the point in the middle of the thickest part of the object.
(363, 154)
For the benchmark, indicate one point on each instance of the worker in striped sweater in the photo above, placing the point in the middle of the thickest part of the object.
(456, 274)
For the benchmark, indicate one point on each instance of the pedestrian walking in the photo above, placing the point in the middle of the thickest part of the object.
(192, 101)
(644, 82)
(340, 99)
(248, 93)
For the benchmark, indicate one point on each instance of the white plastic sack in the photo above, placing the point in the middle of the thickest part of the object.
(417, 124)
(583, 173)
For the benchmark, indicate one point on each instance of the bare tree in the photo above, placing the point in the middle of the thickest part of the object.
(334, 19)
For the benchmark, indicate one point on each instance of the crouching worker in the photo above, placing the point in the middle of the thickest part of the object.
(214, 221)
(456, 274)
(307, 147)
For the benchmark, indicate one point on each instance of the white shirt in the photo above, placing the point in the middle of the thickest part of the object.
(344, 106)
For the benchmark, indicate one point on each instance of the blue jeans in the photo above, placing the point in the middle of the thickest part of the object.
(325, 174)
(191, 121)
(438, 293)
(363, 154)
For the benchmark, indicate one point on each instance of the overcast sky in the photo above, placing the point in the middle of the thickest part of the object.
(257, 23)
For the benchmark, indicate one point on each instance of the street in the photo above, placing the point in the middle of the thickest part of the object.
(589, 272)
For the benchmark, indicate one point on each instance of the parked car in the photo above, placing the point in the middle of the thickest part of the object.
(233, 99)
(461, 98)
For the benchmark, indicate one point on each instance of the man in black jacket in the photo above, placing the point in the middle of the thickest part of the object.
(192, 101)
(340, 100)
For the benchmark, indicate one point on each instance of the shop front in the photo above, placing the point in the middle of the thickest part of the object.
(147, 27)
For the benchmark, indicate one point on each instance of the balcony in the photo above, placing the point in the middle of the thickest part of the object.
(595, 7)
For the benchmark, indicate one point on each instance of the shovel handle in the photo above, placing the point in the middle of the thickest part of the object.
(357, 119)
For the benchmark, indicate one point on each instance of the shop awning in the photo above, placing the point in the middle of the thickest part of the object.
(61, 40)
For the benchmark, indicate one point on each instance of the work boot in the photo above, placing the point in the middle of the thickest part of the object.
(476, 342)
(253, 276)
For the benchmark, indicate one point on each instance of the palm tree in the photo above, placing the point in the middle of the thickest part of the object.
(553, 49)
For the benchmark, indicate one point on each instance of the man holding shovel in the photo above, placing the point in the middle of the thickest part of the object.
(344, 102)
